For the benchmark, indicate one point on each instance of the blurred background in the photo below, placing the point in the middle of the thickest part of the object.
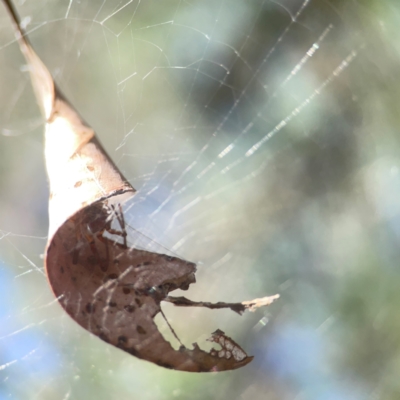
(263, 140)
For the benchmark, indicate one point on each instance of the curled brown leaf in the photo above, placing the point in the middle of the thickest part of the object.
(109, 287)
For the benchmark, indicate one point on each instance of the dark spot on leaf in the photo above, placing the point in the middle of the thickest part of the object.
(129, 308)
(140, 330)
(62, 269)
(116, 262)
(122, 339)
(147, 263)
(104, 337)
(126, 290)
(138, 302)
(169, 258)
(112, 276)
(134, 352)
(73, 279)
(91, 260)
(103, 265)
(90, 308)
(112, 304)
(165, 365)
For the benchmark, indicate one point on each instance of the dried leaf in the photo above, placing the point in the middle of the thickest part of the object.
(103, 282)
(114, 291)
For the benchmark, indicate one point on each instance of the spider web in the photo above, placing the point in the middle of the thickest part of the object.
(250, 134)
